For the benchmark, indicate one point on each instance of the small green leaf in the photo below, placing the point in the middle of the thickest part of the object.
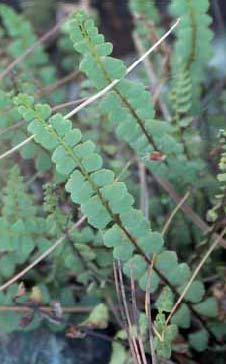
(165, 300)
(42, 136)
(64, 163)
(43, 110)
(73, 137)
(98, 318)
(84, 149)
(113, 237)
(61, 125)
(103, 177)
(151, 243)
(135, 222)
(179, 275)
(166, 262)
(92, 162)
(182, 317)
(97, 214)
(195, 292)
(207, 308)
(199, 340)
(124, 251)
(154, 282)
(136, 265)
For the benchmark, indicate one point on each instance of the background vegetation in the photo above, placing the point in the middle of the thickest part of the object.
(113, 181)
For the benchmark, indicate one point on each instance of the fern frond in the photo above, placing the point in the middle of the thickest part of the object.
(18, 36)
(19, 224)
(181, 96)
(129, 104)
(193, 44)
(107, 203)
(34, 72)
(221, 196)
(146, 18)
(9, 117)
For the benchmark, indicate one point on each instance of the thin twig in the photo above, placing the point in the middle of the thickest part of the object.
(11, 127)
(135, 316)
(48, 309)
(50, 88)
(18, 146)
(151, 75)
(42, 256)
(148, 310)
(174, 212)
(202, 225)
(130, 326)
(194, 275)
(69, 103)
(129, 70)
(144, 197)
(122, 311)
(54, 108)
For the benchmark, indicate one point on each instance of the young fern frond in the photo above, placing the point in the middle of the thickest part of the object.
(181, 97)
(193, 44)
(145, 8)
(220, 207)
(146, 17)
(18, 36)
(56, 220)
(20, 226)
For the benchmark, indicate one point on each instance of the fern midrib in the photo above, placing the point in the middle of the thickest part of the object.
(115, 218)
(176, 120)
(194, 35)
(123, 99)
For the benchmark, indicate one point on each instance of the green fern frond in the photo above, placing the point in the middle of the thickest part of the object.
(193, 44)
(20, 227)
(18, 36)
(129, 104)
(181, 96)
(146, 18)
(107, 203)
(221, 177)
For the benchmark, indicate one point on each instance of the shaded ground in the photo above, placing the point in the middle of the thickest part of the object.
(45, 347)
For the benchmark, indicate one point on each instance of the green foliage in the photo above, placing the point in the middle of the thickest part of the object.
(98, 317)
(129, 104)
(220, 207)
(22, 36)
(108, 206)
(192, 48)
(146, 17)
(87, 179)
(199, 340)
(21, 228)
(34, 73)
(165, 337)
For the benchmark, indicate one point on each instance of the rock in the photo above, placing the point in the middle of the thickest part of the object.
(45, 347)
